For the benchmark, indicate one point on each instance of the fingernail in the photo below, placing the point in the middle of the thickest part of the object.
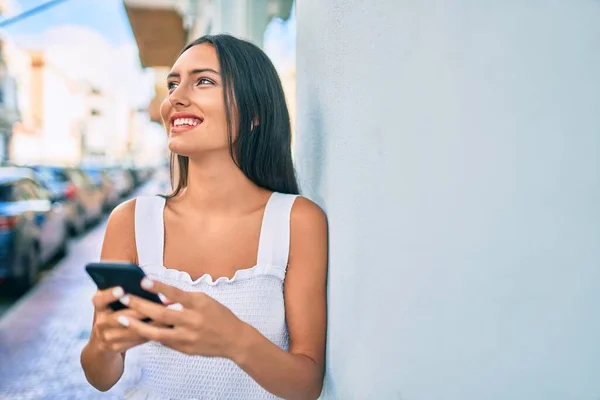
(163, 298)
(118, 292)
(123, 320)
(147, 283)
(176, 307)
(124, 299)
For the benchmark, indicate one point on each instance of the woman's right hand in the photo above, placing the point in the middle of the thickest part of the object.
(107, 333)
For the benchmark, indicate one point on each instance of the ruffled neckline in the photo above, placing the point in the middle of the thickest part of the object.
(207, 279)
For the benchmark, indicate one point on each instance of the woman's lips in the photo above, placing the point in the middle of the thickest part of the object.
(184, 123)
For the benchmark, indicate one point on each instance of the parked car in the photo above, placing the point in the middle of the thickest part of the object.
(144, 173)
(88, 198)
(33, 228)
(63, 191)
(139, 175)
(122, 180)
(135, 177)
(103, 181)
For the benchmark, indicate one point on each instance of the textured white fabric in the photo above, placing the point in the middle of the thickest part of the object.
(254, 294)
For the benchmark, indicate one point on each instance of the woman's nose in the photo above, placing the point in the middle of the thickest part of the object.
(179, 98)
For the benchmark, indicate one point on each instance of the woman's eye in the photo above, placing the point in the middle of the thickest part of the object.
(171, 85)
(204, 81)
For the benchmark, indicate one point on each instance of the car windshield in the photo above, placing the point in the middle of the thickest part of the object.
(93, 173)
(56, 173)
(46, 177)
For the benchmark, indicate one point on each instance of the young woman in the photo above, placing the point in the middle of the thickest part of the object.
(239, 257)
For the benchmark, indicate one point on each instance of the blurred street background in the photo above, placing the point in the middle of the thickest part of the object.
(81, 82)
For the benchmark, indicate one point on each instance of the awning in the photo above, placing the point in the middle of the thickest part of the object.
(159, 33)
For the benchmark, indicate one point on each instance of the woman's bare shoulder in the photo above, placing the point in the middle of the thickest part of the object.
(119, 238)
(308, 227)
(308, 217)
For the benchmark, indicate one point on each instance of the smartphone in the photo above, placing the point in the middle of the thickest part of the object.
(127, 276)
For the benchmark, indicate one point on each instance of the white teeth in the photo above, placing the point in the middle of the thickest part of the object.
(186, 121)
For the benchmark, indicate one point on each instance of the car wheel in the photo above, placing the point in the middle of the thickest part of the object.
(64, 246)
(79, 225)
(31, 262)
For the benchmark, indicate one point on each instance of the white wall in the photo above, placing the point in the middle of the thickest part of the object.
(456, 149)
(62, 110)
(108, 132)
(57, 142)
(246, 19)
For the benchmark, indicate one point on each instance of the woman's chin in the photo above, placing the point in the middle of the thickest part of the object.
(192, 150)
(180, 148)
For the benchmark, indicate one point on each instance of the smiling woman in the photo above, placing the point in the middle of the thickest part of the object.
(239, 255)
(242, 77)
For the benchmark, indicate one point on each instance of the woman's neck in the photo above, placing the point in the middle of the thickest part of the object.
(216, 184)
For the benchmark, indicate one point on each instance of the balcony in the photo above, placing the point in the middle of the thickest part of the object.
(159, 30)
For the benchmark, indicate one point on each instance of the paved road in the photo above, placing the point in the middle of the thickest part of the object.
(8, 299)
(42, 335)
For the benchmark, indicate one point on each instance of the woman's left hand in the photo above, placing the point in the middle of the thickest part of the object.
(201, 326)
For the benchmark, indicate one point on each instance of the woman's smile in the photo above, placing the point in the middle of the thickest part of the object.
(183, 122)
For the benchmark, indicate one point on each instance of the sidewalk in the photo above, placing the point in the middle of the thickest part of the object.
(41, 336)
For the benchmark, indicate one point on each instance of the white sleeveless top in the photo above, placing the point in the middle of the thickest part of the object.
(255, 295)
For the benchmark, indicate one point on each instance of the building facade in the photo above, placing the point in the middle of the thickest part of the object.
(163, 27)
(9, 107)
(53, 125)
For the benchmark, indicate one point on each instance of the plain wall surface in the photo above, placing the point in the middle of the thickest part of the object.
(456, 149)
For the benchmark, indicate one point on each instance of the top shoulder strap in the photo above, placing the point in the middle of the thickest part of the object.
(274, 242)
(149, 230)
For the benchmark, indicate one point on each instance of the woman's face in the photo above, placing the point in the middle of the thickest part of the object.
(194, 112)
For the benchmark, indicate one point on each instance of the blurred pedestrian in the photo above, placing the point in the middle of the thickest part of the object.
(240, 258)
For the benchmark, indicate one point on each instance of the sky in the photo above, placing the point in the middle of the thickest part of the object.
(90, 40)
(108, 17)
(100, 47)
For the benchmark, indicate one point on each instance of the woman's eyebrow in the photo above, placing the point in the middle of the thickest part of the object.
(193, 72)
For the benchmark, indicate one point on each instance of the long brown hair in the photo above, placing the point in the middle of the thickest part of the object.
(262, 150)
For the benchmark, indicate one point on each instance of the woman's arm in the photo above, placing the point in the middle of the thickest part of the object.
(297, 374)
(102, 367)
